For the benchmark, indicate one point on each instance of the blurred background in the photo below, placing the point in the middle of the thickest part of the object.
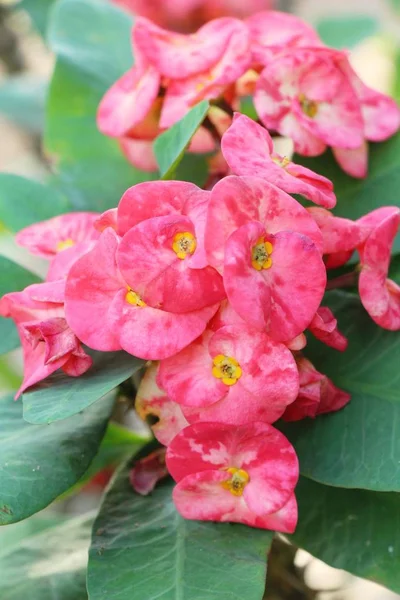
(369, 29)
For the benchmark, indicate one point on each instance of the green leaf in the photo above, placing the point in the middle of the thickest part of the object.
(48, 564)
(141, 548)
(92, 41)
(22, 99)
(60, 396)
(356, 197)
(358, 446)
(354, 530)
(170, 146)
(40, 462)
(346, 31)
(38, 11)
(24, 202)
(13, 278)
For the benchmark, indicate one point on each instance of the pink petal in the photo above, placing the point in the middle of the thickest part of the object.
(339, 234)
(44, 238)
(353, 161)
(128, 102)
(166, 281)
(147, 472)
(106, 219)
(236, 201)
(179, 56)
(158, 199)
(332, 397)
(324, 327)
(63, 261)
(78, 363)
(283, 299)
(152, 401)
(140, 154)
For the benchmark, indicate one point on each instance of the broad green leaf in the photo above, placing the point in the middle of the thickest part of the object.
(92, 41)
(356, 530)
(356, 197)
(40, 462)
(49, 564)
(38, 11)
(170, 146)
(141, 548)
(24, 202)
(358, 446)
(346, 31)
(60, 396)
(118, 444)
(13, 278)
(22, 99)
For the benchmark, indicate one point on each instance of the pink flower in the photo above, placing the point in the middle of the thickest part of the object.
(339, 235)
(271, 30)
(380, 296)
(268, 248)
(243, 474)
(148, 471)
(313, 96)
(324, 328)
(152, 402)
(47, 341)
(248, 149)
(50, 237)
(317, 395)
(235, 375)
(108, 314)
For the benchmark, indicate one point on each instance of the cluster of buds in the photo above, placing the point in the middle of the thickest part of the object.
(217, 289)
(300, 89)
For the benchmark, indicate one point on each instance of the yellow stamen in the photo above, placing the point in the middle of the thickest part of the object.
(64, 244)
(260, 255)
(309, 107)
(183, 244)
(227, 369)
(134, 298)
(236, 484)
(281, 161)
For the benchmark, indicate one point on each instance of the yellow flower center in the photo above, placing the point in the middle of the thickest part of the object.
(134, 298)
(237, 482)
(184, 244)
(227, 369)
(309, 107)
(64, 244)
(260, 255)
(281, 161)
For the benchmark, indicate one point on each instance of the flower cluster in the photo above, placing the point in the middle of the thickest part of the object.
(300, 88)
(217, 288)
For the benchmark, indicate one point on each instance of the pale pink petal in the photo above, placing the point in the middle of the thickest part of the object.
(152, 401)
(283, 299)
(139, 153)
(353, 161)
(47, 238)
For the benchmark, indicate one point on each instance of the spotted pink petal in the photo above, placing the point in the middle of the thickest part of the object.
(332, 397)
(151, 401)
(338, 259)
(200, 496)
(339, 234)
(274, 29)
(248, 149)
(236, 201)
(179, 56)
(259, 449)
(129, 101)
(353, 161)
(373, 219)
(268, 383)
(380, 296)
(283, 299)
(47, 238)
(152, 268)
(159, 199)
(324, 328)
